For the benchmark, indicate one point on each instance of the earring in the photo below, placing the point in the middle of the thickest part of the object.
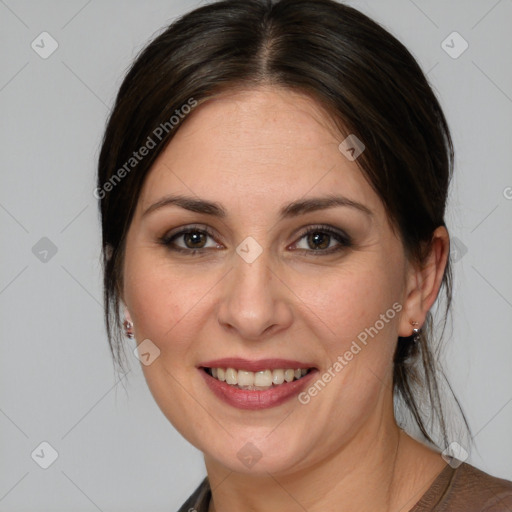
(128, 329)
(417, 332)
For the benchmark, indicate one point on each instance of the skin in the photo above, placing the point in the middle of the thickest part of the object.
(254, 151)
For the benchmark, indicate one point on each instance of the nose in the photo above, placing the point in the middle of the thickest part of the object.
(255, 301)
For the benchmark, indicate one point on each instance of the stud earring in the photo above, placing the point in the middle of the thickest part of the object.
(128, 329)
(417, 332)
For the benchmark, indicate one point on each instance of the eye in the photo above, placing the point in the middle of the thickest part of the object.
(318, 240)
(193, 240)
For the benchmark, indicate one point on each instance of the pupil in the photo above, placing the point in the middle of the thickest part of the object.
(195, 237)
(317, 237)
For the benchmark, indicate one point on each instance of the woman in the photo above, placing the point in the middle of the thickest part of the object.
(272, 184)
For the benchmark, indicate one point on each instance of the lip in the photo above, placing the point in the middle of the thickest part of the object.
(255, 366)
(255, 400)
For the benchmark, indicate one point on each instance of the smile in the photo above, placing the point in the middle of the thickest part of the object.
(269, 388)
(256, 381)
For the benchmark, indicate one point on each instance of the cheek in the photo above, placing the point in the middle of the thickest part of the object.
(163, 302)
(356, 315)
(354, 302)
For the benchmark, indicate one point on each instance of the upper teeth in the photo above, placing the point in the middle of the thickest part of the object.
(262, 378)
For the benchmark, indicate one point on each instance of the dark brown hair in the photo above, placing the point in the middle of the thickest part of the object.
(365, 80)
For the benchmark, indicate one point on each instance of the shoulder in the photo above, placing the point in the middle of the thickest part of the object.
(199, 500)
(470, 489)
(464, 489)
(493, 493)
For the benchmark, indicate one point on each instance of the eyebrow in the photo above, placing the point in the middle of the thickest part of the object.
(293, 209)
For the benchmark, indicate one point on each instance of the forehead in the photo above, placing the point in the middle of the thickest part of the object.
(257, 145)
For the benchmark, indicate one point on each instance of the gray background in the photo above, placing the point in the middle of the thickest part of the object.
(116, 450)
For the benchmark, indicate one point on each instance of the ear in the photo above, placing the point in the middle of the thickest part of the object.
(120, 294)
(423, 284)
(127, 315)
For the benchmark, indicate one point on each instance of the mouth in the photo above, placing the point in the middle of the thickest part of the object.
(269, 384)
(256, 381)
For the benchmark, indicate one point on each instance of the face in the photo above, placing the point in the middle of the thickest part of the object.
(254, 284)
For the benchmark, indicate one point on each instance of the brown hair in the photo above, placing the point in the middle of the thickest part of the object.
(365, 79)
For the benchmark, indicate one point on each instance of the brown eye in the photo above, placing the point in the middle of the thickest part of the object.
(194, 239)
(191, 240)
(319, 240)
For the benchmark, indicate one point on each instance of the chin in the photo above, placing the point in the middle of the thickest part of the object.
(257, 455)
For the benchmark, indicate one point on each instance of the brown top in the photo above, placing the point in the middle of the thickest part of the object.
(461, 489)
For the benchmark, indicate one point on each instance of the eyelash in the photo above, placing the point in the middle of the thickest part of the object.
(343, 239)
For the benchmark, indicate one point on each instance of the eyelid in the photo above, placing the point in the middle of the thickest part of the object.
(325, 228)
(167, 237)
(343, 239)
